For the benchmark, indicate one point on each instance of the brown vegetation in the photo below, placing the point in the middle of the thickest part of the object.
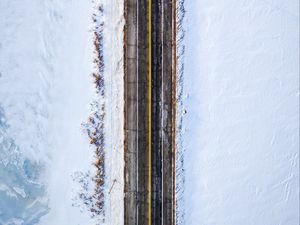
(95, 125)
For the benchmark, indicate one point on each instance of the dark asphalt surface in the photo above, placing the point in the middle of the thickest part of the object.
(136, 113)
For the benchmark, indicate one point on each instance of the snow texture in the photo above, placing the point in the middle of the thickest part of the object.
(241, 129)
(49, 169)
(46, 91)
(114, 98)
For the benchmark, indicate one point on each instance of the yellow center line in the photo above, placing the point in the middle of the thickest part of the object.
(149, 110)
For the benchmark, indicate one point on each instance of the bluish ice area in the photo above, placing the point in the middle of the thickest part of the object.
(22, 200)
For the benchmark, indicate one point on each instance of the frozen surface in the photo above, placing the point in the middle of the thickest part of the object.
(241, 129)
(46, 54)
(47, 162)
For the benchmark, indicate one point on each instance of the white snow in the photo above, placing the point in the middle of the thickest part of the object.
(241, 130)
(114, 120)
(46, 88)
(46, 53)
(70, 95)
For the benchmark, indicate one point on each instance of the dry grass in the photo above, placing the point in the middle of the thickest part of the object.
(95, 125)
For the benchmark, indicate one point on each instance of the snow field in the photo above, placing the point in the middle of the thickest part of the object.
(241, 132)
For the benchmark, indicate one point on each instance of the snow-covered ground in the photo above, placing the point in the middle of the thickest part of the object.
(114, 98)
(46, 88)
(241, 130)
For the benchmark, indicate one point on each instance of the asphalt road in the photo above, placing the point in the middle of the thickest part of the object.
(149, 112)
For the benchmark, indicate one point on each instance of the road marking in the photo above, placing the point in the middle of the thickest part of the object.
(149, 110)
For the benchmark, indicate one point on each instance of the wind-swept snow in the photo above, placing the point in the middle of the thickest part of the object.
(241, 129)
(70, 95)
(46, 88)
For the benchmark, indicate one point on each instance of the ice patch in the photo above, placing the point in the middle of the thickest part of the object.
(22, 197)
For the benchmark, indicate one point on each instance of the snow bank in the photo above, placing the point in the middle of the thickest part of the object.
(241, 130)
(114, 97)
